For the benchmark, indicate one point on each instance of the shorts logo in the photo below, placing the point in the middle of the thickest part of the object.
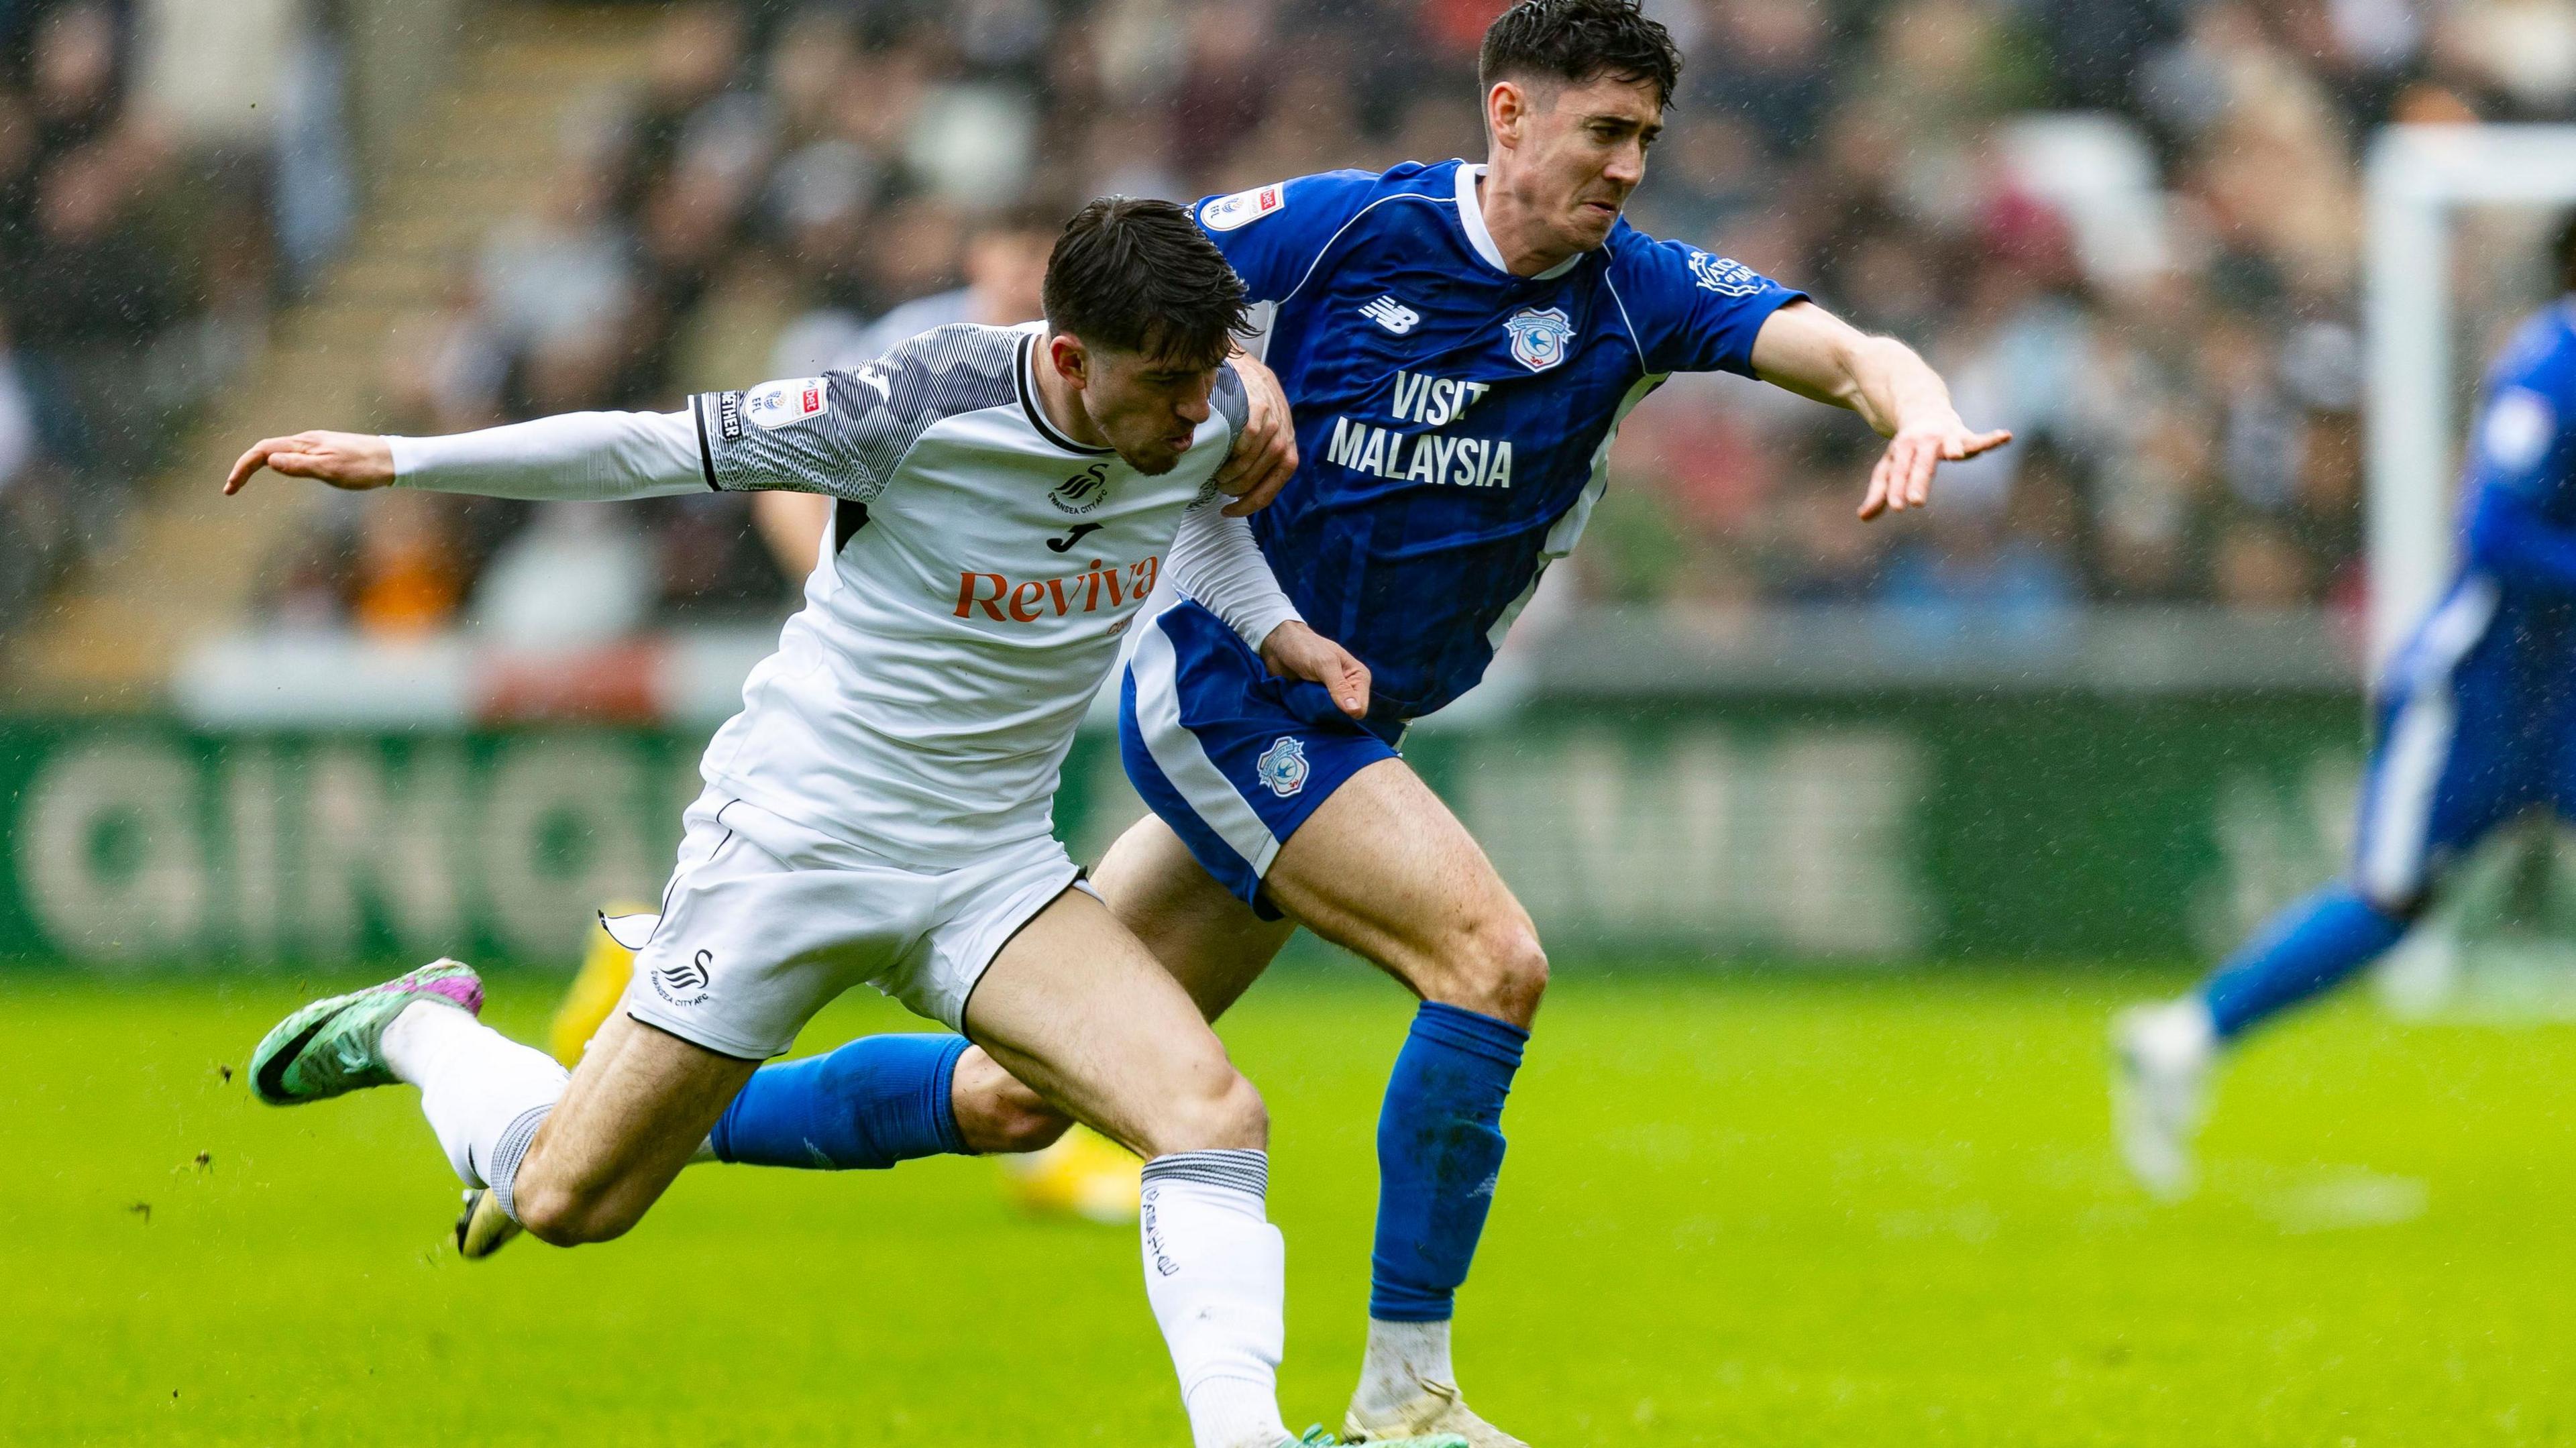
(685, 984)
(1540, 338)
(773, 405)
(1724, 277)
(1083, 491)
(1244, 207)
(1282, 766)
(1391, 314)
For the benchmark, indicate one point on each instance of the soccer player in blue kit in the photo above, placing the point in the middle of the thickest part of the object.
(1458, 345)
(2476, 725)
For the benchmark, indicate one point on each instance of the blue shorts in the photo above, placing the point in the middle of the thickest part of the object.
(2476, 726)
(1231, 758)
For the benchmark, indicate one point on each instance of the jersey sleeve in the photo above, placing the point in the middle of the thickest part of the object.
(845, 432)
(1272, 234)
(1692, 310)
(2520, 444)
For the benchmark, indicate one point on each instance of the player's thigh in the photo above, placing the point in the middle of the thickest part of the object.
(632, 1116)
(1212, 943)
(2454, 760)
(1384, 869)
(1074, 1007)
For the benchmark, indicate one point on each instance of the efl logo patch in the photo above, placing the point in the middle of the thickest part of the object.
(1540, 339)
(685, 984)
(1244, 207)
(1724, 277)
(1282, 766)
(773, 405)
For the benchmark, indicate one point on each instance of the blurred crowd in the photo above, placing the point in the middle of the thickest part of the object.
(151, 213)
(2127, 229)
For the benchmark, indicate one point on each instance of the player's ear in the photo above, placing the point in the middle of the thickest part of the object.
(1072, 360)
(1506, 106)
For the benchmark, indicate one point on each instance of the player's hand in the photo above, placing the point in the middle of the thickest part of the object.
(1903, 477)
(1294, 651)
(356, 461)
(1266, 454)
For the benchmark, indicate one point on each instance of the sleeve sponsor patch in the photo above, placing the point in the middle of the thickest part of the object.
(773, 405)
(1243, 208)
(2519, 428)
(1722, 276)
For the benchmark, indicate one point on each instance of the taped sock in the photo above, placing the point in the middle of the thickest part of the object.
(1439, 1156)
(874, 1102)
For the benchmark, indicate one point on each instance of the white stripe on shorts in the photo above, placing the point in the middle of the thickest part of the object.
(1178, 754)
(2399, 812)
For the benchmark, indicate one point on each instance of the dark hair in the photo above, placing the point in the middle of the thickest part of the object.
(1139, 276)
(1576, 41)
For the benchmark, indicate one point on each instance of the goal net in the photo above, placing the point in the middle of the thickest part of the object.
(2456, 219)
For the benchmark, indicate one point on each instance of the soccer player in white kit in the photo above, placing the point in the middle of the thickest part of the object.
(880, 810)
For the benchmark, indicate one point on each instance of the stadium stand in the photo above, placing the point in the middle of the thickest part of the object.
(2127, 230)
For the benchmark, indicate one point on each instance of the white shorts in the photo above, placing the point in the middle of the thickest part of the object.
(765, 921)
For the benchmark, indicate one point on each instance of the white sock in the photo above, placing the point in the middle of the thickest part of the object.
(1402, 1356)
(1216, 1273)
(485, 1094)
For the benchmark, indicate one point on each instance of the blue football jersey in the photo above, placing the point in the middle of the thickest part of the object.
(1453, 420)
(2518, 494)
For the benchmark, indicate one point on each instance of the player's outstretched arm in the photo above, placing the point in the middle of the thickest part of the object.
(581, 456)
(355, 461)
(1813, 353)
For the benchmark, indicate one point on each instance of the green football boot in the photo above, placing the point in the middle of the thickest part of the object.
(336, 1045)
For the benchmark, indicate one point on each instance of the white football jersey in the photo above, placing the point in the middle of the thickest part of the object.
(978, 574)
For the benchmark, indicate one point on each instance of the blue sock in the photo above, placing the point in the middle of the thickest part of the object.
(1439, 1147)
(2306, 949)
(874, 1102)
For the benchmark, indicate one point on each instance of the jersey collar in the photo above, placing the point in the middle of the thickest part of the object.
(1471, 215)
(1034, 407)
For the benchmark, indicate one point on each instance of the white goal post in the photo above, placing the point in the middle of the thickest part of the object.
(2417, 178)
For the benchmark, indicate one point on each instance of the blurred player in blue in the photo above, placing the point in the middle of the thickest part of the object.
(2476, 725)
(1458, 344)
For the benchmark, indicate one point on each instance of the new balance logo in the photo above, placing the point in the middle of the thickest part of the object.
(1391, 314)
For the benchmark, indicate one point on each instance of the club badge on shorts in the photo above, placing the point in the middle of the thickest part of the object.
(685, 984)
(1541, 337)
(1283, 766)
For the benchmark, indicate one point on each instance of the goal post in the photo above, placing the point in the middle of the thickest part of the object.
(2499, 945)
(2417, 180)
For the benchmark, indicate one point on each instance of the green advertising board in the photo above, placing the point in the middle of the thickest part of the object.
(1865, 828)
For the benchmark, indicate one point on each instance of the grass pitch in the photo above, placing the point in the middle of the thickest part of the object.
(1776, 1211)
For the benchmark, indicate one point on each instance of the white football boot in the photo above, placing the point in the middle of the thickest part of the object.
(2161, 1060)
(1437, 1410)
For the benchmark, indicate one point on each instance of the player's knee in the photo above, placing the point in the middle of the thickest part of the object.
(562, 1217)
(1219, 1110)
(1003, 1116)
(1497, 969)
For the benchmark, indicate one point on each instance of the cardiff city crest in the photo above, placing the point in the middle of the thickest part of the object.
(1540, 338)
(1282, 766)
